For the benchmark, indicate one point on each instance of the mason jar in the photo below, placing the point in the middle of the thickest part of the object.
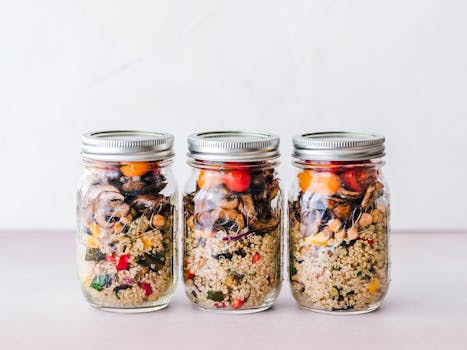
(232, 222)
(339, 222)
(126, 216)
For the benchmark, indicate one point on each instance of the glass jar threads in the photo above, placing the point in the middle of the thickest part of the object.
(339, 222)
(232, 222)
(126, 217)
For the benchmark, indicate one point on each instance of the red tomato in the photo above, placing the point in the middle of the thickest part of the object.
(358, 179)
(237, 303)
(190, 275)
(350, 178)
(237, 180)
(123, 263)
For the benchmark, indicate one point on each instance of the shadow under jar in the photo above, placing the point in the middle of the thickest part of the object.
(233, 222)
(339, 223)
(126, 217)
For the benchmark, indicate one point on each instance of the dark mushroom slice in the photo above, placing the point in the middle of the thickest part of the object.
(148, 203)
(346, 194)
(340, 208)
(108, 208)
(265, 222)
(372, 193)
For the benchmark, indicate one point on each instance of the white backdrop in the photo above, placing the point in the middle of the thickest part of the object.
(395, 67)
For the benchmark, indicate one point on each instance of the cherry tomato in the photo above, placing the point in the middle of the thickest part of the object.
(123, 262)
(350, 178)
(135, 168)
(325, 183)
(237, 303)
(209, 178)
(358, 179)
(237, 180)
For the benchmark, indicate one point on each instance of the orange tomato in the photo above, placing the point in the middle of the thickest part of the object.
(304, 179)
(326, 183)
(135, 168)
(209, 178)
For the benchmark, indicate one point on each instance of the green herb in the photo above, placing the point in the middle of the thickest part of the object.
(293, 270)
(215, 295)
(94, 254)
(101, 281)
(237, 275)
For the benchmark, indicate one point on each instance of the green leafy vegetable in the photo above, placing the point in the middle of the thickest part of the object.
(94, 254)
(215, 295)
(101, 281)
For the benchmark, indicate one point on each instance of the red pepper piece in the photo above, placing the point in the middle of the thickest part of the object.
(123, 262)
(109, 258)
(146, 287)
(237, 303)
(256, 258)
(190, 275)
(219, 305)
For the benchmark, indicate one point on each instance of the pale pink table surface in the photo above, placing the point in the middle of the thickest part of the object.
(41, 306)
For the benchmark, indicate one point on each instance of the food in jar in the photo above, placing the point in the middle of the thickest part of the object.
(338, 239)
(232, 242)
(125, 235)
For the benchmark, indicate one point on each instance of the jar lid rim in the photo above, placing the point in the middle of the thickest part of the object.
(127, 145)
(247, 146)
(338, 145)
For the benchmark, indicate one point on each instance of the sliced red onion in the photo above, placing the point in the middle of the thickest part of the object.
(235, 238)
(197, 288)
(128, 280)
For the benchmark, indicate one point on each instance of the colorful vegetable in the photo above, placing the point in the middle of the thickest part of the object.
(123, 262)
(110, 258)
(93, 242)
(237, 180)
(135, 168)
(326, 183)
(215, 295)
(94, 254)
(373, 286)
(146, 287)
(321, 238)
(209, 179)
(237, 303)
(256, 258)
(94, 228)
(100, 282)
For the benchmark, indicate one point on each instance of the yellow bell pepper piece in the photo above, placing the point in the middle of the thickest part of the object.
(373, 286)
(147, 242)
(321, 238)
(94, 228)
(93, 242)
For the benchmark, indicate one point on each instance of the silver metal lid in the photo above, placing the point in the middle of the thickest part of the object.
(127, 145)
(245, 146)
(338, 145)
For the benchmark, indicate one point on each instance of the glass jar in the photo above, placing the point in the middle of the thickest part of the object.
(233, 222)
(126, 218)
(339, 223)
